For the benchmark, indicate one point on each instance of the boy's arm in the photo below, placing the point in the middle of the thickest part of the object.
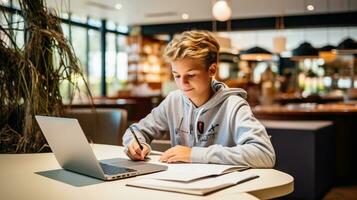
(253, 147)
(148, 128)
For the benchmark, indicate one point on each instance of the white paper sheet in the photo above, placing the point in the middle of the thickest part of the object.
(189, 172)
(202, 184)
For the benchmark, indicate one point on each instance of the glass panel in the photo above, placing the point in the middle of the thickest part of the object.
(110, 56)
(94, 62)
(5, 3)
(94, 22)
(117, 63)
(122, 59)
(64, 15)
(77, 18)
(123, 29)
(111, 25)
(79, 43)
(15, 4)
(4, 21)
(65, 29)
(18, 24)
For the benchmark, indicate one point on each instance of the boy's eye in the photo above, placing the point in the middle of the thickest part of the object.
(190, 75)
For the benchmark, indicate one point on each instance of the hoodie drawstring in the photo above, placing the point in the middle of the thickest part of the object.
(196, 124)
(189, 118)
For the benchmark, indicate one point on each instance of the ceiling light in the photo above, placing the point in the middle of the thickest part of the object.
(310, 7)
(118, 6)
(279, 44)
(185, 16)
(326, 53)
(221, 11)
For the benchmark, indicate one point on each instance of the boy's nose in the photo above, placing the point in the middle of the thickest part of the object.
(184, 81)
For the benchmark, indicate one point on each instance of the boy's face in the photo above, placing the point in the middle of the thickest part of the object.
(193, 78)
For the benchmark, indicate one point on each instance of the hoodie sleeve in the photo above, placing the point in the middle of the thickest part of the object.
(253, 147)
(151, 127)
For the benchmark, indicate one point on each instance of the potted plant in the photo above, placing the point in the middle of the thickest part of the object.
(30, 77)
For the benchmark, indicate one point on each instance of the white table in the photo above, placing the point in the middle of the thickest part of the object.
(39, 176)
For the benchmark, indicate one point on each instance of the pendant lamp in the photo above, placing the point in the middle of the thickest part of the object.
(347, 47)
(304, 51)
(326, 53)
(221, 10)
(256, 54)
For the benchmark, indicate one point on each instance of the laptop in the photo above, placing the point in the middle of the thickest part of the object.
(73, 152)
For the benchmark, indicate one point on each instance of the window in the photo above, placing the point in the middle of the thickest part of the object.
(5, 3)
(110, 56)
(94, 63)
(4, 18)
(116, 63)
(65, 29)
(88, 51)
(79, 42)
(18, 26)
(122, 59)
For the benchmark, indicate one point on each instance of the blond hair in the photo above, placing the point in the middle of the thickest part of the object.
(193, 45)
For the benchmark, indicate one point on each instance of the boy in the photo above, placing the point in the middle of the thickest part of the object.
(208, 122)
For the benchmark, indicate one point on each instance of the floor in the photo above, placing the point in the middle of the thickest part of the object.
(342, 193)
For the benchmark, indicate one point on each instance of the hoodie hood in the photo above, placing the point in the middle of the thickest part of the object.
(221, 93)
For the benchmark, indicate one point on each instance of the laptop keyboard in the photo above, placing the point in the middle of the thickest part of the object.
(112, 170)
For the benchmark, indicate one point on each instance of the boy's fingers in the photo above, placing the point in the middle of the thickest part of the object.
(145, 151)
(172, 159)
(137, 148)
(133, 153)
(167, 156)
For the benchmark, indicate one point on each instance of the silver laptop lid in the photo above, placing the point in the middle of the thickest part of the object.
(70, 145)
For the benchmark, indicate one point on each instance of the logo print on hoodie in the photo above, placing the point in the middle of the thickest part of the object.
(200, 126)
(210, 135)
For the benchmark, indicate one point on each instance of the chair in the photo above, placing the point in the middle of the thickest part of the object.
(101, 125)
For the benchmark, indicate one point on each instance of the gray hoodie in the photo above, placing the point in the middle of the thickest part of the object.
(223, 130)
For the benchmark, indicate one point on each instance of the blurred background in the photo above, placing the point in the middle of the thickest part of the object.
(295, 58)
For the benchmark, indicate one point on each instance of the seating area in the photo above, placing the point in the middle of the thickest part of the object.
(101, 125)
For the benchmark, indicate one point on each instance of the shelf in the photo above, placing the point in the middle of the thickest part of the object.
(145, 60)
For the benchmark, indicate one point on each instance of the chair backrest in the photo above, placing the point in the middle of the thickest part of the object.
(101, 125)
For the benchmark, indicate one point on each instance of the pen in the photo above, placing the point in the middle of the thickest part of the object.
(136, 138)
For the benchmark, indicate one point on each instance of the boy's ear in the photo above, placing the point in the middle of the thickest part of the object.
(212, 70)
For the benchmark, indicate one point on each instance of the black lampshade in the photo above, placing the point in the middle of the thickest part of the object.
(255, 50)
(327, 48)
(304, 51)
(347, 46)
(256, 54)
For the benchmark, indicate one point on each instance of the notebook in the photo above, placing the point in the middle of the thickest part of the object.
(189, 172)
(198, 179)
(201, 186)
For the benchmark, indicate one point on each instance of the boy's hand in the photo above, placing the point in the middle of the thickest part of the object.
(135, 153)
(177, 154)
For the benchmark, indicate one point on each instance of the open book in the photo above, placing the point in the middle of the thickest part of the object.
(198, 179)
